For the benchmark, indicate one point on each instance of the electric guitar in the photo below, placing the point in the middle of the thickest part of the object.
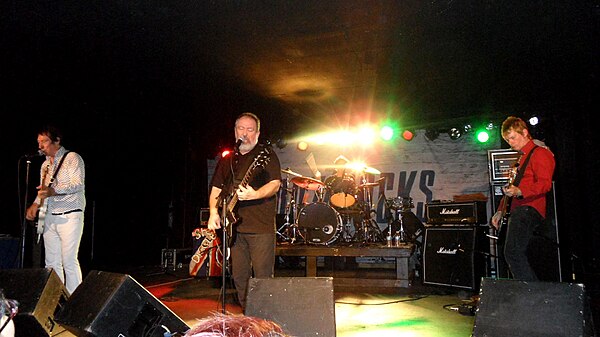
(232, 219)
(507, 201)
(43, 207)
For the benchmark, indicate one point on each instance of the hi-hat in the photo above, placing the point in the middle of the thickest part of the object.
(307, 183)
(376, 183)
(290, 172)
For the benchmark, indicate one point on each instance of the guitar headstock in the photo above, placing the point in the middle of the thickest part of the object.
(263, 158)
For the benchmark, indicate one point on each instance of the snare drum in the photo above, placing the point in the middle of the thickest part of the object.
(319, 223)
(343, 190)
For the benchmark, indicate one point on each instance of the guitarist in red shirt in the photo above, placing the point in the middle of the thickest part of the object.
(527, 195)
(248, 182)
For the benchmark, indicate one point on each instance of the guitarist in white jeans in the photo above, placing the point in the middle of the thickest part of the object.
(528, 194)
(62, 196)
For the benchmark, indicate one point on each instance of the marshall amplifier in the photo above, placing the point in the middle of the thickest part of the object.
(455, 256)
(467, 213)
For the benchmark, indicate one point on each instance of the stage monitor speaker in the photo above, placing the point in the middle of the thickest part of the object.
(9, 250)
(40, 293)
(517, 308)
(302, 306)
(453, 256)
(112, 304)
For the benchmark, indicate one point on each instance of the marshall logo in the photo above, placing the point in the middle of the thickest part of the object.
(450, 211)
(464, 213)
(447, 251)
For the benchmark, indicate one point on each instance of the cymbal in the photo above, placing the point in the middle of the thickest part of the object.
(290, 172)
(307, 183)
(376, 183)
(371, 170)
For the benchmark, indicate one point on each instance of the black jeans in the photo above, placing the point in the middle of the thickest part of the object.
(522, 224)
(251, 255)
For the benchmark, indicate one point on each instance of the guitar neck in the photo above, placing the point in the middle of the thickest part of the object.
(245, 181)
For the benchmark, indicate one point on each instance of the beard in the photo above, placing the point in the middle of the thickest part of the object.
(245, 147)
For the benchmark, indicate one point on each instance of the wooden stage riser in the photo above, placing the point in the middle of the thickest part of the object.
(311, 252)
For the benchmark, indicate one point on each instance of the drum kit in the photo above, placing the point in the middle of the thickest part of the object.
(342, 213)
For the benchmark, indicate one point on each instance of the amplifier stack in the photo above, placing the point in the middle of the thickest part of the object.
(456, 248)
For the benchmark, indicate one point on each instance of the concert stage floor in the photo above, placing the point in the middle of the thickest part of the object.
(414, 311)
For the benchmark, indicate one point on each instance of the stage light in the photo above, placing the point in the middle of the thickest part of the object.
(408, 135)
(483, 136)
(366, 135)
(467, 128)
(386, 132)
(302, 146)
(431, 134)
(225, 153)
(454, 133)
(534, 120)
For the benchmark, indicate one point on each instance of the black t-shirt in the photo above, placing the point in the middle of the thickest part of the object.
(254, 216)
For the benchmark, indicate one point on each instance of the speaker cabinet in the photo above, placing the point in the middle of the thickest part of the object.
(453, 256)
(518, 308)
(302, 306)
(112, 304)
(40, 294)
(9, 250)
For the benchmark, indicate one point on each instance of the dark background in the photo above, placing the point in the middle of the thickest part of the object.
(147, 91)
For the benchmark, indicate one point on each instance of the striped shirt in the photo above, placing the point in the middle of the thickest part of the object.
(69, 183)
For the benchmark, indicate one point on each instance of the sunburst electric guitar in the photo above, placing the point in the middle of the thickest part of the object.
(43, 207)
(507, 201)
(232, 219)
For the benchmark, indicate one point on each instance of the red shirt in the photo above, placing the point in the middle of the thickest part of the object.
(537, 179)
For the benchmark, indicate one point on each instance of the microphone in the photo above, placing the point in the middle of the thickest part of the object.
(38, 153)
(238, 143)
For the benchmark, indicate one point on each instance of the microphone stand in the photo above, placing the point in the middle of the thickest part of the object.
(24, 222)
(225, 254)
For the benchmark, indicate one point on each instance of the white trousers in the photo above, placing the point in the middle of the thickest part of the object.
(9, 329)
(62, 236)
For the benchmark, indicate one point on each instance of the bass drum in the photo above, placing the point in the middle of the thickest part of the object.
(319, 223)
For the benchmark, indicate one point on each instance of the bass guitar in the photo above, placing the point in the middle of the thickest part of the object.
(261, 159)
(507, 201)
(43, 207)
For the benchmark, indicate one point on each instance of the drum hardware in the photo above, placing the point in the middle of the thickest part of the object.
(400, 203)
(320, 193)
(288, 232)
(348, 226)
(403, 221)
(369, 229)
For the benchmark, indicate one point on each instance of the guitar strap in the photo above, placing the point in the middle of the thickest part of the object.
(58, 168)
(522, 168)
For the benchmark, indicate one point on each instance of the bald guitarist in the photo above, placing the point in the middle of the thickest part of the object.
(528, 197)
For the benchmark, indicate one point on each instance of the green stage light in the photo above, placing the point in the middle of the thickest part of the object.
(483, 136)
(386, 133)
